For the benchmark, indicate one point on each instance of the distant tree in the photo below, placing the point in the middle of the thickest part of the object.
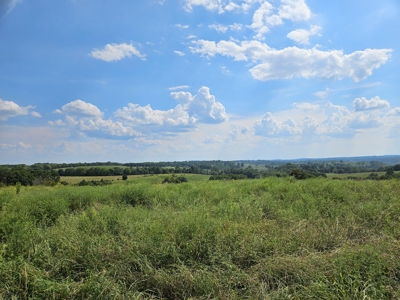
(300, 174)
(390, 172)
(124, 177)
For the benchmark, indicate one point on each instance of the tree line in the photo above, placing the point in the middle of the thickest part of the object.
(28, 175)
(48, 173)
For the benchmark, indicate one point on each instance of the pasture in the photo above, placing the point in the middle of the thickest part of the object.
(273, 238)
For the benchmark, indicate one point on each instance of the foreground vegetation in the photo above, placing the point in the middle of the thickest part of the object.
(273, 238)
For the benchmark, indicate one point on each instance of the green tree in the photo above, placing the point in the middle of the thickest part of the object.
(390, 172)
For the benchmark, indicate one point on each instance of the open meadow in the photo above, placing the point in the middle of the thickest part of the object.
(273, 238)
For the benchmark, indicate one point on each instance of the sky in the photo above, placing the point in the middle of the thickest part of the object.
(175, 80)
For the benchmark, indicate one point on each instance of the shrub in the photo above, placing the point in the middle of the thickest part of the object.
(175, 179)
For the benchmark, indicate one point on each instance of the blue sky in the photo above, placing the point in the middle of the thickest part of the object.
(166, 80)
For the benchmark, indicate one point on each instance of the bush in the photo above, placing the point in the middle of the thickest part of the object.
(175, 179)
(300, 174)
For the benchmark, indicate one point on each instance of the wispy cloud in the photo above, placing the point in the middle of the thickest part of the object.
(179, 87)
(179, 53)
(115, 52)
(182, 26)
(12, 4)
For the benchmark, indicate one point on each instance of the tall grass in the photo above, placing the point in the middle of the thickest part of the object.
(275, 238)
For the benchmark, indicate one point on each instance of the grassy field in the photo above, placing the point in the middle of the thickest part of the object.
(359, 175)
(132, 178)
(274, 238)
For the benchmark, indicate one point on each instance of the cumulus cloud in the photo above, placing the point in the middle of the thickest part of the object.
(136, 115)
(182, 97)
(202, 106)
(337, 121)
(115, 52)
(302, 36)
(87, 119)
(296, 62)
(269, 126)
(135, 120)
(395, 111)
(10, 109)
(81, 109)
(362, 103)
(267, 16)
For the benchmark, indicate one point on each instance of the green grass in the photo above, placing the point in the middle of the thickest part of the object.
(359, 175)
(275, 238)
(135, 178)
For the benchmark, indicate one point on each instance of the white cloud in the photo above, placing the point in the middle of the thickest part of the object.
(362, 103)
(202, 106)
(301, 36)
(182, 97)
(10, 109)
(81, 109)
(295, 10)
(322, 94)
(205, 109)
(221, 5)
(179, 87)
(333, 121)
(87, 119)
(12, 4)
(306, 106)
(134, 120)
(212, 5)
(36, 114)
(360, 121)
(269, 126)
(114, 52)
(267, 16)
(295, 62)
(231, 6)
(182, 26)
(224, 28)
(22, 145)
(395, 111)
(179, 53)
(136, 115)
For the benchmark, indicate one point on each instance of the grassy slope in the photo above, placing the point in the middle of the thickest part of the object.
(135, 178)
(359, 175)
(257, 239)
